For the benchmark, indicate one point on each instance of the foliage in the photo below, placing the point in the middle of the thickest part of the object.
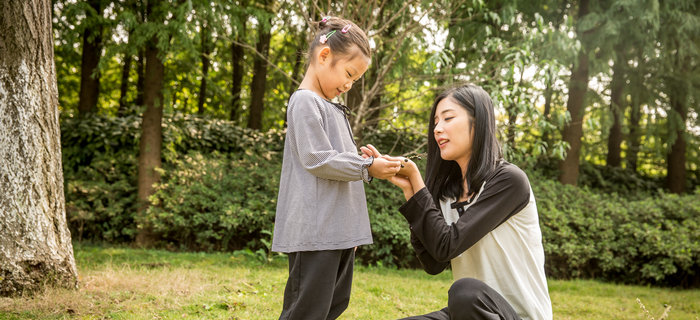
(219, 188)
(99, 170)
(595, 235)
(215, 202)
(100, 164)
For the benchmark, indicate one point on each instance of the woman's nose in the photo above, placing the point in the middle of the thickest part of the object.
(438, 128)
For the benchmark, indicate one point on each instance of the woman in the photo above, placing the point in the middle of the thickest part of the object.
(477, 211)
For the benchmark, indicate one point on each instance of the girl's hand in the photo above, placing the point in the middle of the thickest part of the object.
(383, 168)
(370, 151)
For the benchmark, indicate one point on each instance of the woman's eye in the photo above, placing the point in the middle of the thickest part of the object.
(448, 118)
(349, 75)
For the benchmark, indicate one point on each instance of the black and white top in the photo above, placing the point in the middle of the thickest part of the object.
(321, 203)
(495, 238)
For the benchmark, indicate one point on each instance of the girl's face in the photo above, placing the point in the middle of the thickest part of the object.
(336, 74)
(453, 131)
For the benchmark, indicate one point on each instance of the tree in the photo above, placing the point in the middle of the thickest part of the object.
(151, 125)
(205, 37)
(35, 244)
(616, 106)
(679, 42)
(257, 86)
(578, 85)
(92, 50)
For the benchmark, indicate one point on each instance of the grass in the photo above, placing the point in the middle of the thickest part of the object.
(124, 283)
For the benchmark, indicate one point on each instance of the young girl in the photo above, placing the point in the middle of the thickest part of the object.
(478, 212)
(321, 208)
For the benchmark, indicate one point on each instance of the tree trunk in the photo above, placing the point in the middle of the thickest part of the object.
(633, 140)
(614, 158)
(237, 56)
(151, 136)
(140, 78)
(257, 87)
(124, 88)
(548, 94)
(573, 131)
(89, 74)
(675, 178)
(35, 246)
(205, 68)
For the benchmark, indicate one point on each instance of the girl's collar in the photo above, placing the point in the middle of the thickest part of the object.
(345, 109)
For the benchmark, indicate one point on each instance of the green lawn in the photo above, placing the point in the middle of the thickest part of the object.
(123, 283)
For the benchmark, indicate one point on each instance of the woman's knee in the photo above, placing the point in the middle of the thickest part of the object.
(467, 290)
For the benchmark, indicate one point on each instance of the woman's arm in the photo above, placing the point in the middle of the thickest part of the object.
(430, 265)
(504, 195)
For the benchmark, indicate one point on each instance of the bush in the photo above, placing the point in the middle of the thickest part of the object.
(215, 202)
(593, 235)
(100, 164)
(219, 190)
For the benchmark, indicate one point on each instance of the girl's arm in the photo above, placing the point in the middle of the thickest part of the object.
(506, 193)
(313, 147)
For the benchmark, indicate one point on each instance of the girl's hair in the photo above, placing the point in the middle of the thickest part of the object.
(444, 178)
(341, 43)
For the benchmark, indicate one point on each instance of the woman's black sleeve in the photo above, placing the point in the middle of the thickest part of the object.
(504, 195)
(430, 265)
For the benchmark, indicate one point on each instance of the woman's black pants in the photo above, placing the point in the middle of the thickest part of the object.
(472, 299)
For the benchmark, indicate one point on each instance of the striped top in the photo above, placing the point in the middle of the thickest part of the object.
(321, 203)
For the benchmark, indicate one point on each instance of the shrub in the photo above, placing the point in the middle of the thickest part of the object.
(593, 235)
(219, 190)
(215, 201)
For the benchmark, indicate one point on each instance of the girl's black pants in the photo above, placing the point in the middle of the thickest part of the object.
(319, 283)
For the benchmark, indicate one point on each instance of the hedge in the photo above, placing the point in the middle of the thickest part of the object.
(219, 187)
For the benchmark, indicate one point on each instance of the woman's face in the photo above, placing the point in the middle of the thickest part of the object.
(453, 131)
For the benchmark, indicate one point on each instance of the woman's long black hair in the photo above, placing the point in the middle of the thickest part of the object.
(444, 178)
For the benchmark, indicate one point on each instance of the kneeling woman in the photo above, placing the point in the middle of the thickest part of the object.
(477, 211)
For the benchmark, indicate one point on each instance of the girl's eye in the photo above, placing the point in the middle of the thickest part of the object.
(449, 118)
(349, 75)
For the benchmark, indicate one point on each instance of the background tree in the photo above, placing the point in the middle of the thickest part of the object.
(92, 51)
(151, 129)
(35, 244)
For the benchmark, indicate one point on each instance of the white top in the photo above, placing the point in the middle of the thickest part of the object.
(510, 259)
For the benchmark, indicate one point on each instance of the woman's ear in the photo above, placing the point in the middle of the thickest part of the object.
(324, 55)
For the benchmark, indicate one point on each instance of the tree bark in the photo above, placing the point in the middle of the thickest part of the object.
(205, 68)
(675, 178)
(632, 154)
(257, 87)
(573, 131)
(151, 136)
(89, 73)
(237, 56)
(614, 158)
(35, 246)
(140, 78)
(124, 87)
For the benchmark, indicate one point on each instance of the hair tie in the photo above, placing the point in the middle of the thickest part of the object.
(346, 28)
(324, 37)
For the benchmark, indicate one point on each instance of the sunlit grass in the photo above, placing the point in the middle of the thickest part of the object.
(121, 283)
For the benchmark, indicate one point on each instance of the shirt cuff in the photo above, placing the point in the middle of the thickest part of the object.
(365, 171)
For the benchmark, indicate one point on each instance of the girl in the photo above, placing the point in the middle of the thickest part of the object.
(477, 211)
(321, 208)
